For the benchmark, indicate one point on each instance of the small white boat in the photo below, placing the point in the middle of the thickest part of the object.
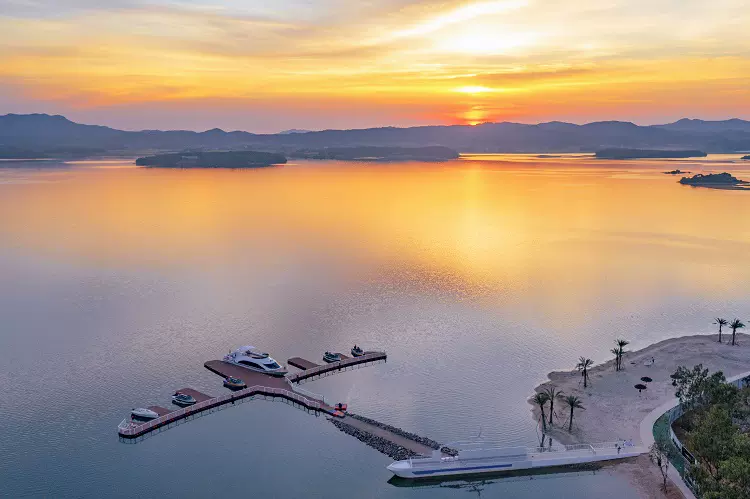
(182, 399)
(357, 351)
(143, 413)
(476, 458)
(331, 357)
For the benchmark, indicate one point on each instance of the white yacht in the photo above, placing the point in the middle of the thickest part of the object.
(475, 458)
(255, 360)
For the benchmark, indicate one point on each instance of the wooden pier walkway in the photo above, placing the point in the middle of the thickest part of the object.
(258, 384)
(131, 430)
(301, 363)
(315, 371)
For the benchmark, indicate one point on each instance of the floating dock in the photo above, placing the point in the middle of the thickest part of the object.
(129, 430)
(301, 363)
(316, 371)
(258, 384)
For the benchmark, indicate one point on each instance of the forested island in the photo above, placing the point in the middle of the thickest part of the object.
(617, 153)
(228, 159)
(715, 180)
(376, 153)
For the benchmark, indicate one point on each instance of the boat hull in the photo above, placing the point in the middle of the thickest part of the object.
(233, 386)
(144, 416)
(279, 374)
(183, 403)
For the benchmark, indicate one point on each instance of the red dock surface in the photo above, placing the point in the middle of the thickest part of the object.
(161, 411)
(301, 363)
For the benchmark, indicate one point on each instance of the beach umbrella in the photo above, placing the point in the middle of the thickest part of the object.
(640, 387)
(646, 379)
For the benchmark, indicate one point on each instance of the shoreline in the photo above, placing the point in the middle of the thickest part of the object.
(614, 408)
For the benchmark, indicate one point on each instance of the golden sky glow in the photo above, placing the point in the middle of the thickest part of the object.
(266, 66)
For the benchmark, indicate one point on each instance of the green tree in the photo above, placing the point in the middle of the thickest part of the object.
(712, 441)
(721, 322)
(540, 399)
(552, 393)
(723, 454)
(573, 403)
(584, 365)
(621, 344)
(690, 384)
(696, 388)
(616, 352)
(735, 325)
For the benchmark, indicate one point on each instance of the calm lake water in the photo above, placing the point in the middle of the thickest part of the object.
(477, 276)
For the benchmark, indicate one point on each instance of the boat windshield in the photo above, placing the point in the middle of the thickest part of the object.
(273, 365)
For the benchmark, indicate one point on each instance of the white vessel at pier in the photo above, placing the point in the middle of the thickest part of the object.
(250, 358)
(475, 458)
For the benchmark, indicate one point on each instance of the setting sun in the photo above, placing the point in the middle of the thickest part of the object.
(474, 90)
(265, 68)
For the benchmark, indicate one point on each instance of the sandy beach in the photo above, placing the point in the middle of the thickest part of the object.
(614, 409)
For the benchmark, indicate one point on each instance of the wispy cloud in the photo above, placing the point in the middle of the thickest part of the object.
(534, 56)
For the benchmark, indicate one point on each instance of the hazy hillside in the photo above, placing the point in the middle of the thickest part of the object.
(43, 133)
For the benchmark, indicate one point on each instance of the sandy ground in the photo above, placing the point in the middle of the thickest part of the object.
(613, 407)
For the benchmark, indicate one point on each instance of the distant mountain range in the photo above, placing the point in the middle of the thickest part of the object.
(39, 134)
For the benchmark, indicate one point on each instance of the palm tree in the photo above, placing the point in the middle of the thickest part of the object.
(540, 399)
(616, 353)
(552, 393)
(721, 322)
(621, 344)
(735, 325)
(574, 403)
(583, 365)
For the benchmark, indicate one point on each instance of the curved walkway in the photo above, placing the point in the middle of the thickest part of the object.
(647, 434)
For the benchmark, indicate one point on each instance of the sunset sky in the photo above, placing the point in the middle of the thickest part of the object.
(266, 66)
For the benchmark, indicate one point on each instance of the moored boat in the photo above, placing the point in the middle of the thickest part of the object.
(478, 458)
(250, 358)
(234, 383)
(331, 357)
(143, 414)
(182, 399)
(357, 351)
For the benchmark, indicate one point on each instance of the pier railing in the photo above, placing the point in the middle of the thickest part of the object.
(469, 447)
(131, 430)
(584, 447)
(336, 366)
